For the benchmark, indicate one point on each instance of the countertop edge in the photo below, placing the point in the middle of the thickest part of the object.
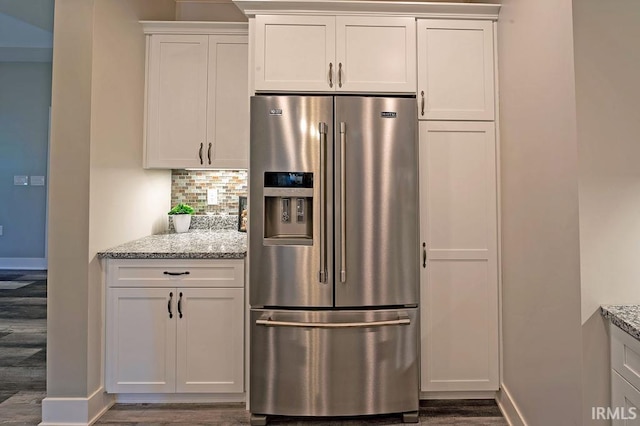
(195, 244)
(621, 323)
(176, 255)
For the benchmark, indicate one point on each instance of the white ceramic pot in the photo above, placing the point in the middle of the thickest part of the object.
(181, 222)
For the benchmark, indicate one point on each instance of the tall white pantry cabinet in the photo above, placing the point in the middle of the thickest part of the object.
(458, 202)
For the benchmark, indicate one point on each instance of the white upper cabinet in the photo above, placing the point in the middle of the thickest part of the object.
(294, 53)
(228, 103)
(197, 103)
(176, 100)
(376, 54)
(327, 53)
(455, 70)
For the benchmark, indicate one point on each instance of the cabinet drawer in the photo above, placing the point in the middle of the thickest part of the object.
(625, 355)
(175, 273)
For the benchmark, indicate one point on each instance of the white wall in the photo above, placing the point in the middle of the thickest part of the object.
(25, 97)
(542, 350)
(100, 196)
(607, 62)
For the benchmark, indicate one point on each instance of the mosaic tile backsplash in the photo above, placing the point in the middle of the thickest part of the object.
(190, 187)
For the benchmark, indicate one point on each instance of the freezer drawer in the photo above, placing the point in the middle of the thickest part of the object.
(333, 363)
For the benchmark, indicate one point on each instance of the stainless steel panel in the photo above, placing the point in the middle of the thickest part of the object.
(379, 239)
(342, 363)
(285, 137)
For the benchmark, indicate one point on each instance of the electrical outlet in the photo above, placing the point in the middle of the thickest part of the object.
(212, 196)
(1, 230)
(21, 180)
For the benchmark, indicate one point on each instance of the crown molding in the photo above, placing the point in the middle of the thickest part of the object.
(195, 27)
(417, 9)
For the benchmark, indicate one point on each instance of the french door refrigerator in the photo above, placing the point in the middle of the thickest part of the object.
(334, 256)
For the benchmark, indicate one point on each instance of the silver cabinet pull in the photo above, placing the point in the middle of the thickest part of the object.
(422, 103)
(424, 255)
(209, 153)
(330, 74)
(343, 201)
(200, 152)
(340, 74)
(322, 276)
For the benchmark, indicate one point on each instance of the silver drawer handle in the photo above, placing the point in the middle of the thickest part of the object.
(270, 323)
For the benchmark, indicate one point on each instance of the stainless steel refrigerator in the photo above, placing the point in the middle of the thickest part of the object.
(334, 256)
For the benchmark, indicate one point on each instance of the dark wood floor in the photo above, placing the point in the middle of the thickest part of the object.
(23, 307)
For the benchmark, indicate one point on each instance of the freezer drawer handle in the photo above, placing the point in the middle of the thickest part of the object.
(271, 323)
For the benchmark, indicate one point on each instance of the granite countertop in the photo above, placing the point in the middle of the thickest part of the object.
(195, 244)
(626, 317)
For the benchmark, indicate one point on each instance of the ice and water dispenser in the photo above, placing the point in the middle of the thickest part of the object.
(288, 208)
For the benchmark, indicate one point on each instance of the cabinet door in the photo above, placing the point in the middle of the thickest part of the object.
(176, 100)
(210, 340)
(376, 54)
(455, 70)
(141, 340)
(625, 400)
(295, 53)
(459, 276)
(228, 105)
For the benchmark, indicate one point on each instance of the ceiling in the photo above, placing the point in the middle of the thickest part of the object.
(26, 30)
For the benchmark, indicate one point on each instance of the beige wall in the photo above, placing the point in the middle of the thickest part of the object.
(69, 199)
(540, 233)
(224, 11)
(99, 194)
(607, 63)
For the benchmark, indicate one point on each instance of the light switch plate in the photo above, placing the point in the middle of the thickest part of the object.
(212, 196)
(37, 180)
(21, 180)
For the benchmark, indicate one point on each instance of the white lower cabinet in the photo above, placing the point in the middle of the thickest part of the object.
(459, 270)
(171, 334)
(625, 379)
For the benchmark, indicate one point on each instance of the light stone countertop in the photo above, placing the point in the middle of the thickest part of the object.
(626, 317)
(195, 244)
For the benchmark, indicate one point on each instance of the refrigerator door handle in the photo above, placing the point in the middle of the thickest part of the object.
(403, 319)
(322, 276)
(343, 199)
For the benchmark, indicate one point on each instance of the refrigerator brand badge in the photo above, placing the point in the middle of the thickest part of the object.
(388, 114)
(275, 111)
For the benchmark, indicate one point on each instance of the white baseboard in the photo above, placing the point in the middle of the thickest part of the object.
(458, 395)
(509, 408)
(35, 263)
(75, 411)
(159, 398)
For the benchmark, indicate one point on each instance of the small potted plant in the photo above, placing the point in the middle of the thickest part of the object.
(181, 217)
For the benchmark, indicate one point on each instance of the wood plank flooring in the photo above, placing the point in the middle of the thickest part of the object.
(23, 379)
